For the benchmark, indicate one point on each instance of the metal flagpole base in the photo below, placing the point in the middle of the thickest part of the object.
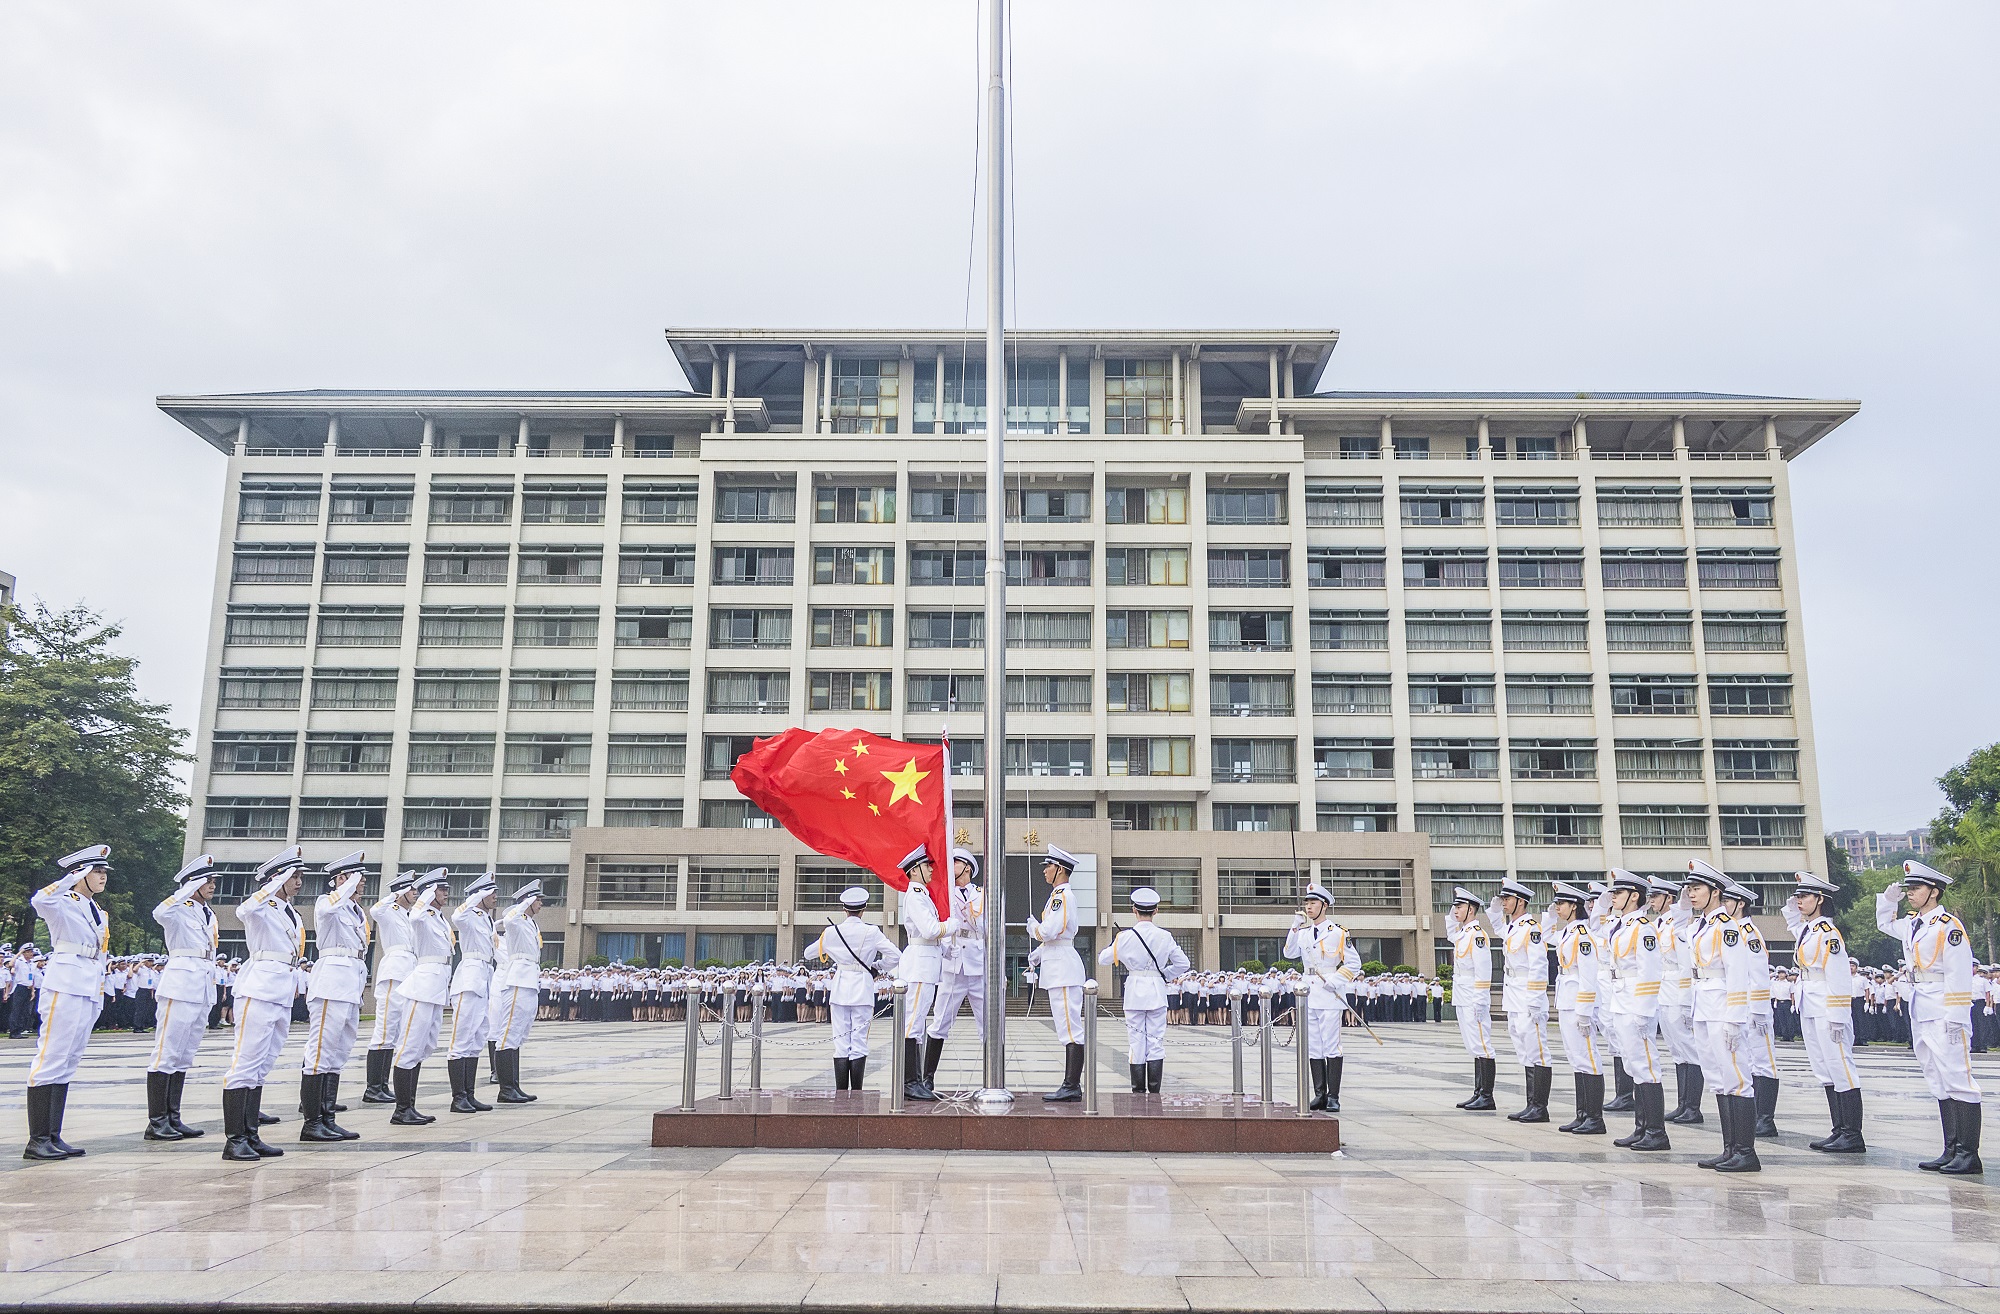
(995, 1099)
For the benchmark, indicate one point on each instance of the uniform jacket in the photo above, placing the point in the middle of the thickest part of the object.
(429, 980)
(1525, 952)
(1720, 958)
(519, 962)
(1329, 958)
(1939, 955)
(474, 927)
(854, 946)
(192, 933)
(1151, 957)
(342, 928)
(79, 934)
(1578, 952)
(271, 926)
(1471, 966)
(1059, 964)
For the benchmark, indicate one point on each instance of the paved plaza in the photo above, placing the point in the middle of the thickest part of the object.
(562, 1203)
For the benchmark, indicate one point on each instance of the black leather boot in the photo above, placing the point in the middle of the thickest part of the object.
(1138, 1072)
(1473, 1098)
(840, 1066)
(1765, 1100)
(1651, 1100)
(1539, 1081)
(1484, 1071)
(175, 1085)
(1739, 1133)
(255, 1102)
(1965, 1161)
(312, 1105)
(1319, 1085)
(1333, 1084)
(378, 1092)
(159, 1127)
(1156, 1070)
(1621, 1099)
(1071, 1089)
(236, 1145)
(332, 1101)
(1578, 1098)
(58, 1102)
(913, 1073)
(40, 1146)
(933, 1052)
(492, 1062)
(1696, 1085)
(329, 1084)
(1591, 1121)
(510, 1079)
(1833, 1115)
(856, 1069)
(406, 1114)
(1527, 1095)
(1947, 1115)
(471, 1067)
(1846, 1138)
(461, 1078)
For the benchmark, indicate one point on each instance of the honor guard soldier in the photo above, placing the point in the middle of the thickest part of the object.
(964, 961)
(1525, 993)
(1577, 955)
(391, 920)
(1676, 1015)
(1472, 994)
(333, 997)
(859, 953)
(1742, 901)
(1632, 961)
(1720, 960)
(1151, 958)
(1059, 968)
(27, 979)
(186, 993)
(472, 925)
(1332, 966)
(921, 966)
(71, 992)
(1939, 958)
(1825, 990)
(511, 1002)
(423, 992)
(265, 989)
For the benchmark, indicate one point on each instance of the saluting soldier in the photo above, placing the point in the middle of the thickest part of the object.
(1742, 901)
(1719, 957)
(1059, 968)
(186, 993)
(1578, 953)
(921, 966)
(1632, 959)
(333, 997)
(1676, 1015)
(1472, 994)
(1525, 993)
(423, 992)
(1939, 959)
(265, 989)
(1825, 986)
(1151, 957)
(390, 918)
(71, 992)
(1332, 967)
(511, 1001)
(859, 953)
(472, 925)
(964, 975)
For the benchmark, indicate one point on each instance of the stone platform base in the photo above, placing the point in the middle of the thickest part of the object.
(861, 1120)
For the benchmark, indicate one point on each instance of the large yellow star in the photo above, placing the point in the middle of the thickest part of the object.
(906, 782)
(839, 766)
(861, 748)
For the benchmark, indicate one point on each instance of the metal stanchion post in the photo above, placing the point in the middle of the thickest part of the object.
(1236, 1040)
(1264, 1043)
(757, 1037)
(1301, 1039)
(1090, 1047)
(690, 1043)
(899, 994)
(727, 1091)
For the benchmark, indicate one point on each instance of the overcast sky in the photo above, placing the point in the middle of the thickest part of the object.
(1792, 199)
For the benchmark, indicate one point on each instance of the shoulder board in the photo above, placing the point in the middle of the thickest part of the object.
(1643, 919)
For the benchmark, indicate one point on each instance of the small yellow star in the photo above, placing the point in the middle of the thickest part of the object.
(872, 808)
(847, 793)
(906, 782)
(839, 766)
(861, 748)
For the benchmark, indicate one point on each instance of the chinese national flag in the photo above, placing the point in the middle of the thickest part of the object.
(855, 795)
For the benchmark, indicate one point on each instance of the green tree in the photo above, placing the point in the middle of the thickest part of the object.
(1972, 860)
(1865, 943)
(83, 760)
(1839, 870)
(1971, 785)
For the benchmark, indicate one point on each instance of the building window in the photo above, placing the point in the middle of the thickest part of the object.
(1247, 506)
(649, 691)
(1640, 632)
(1353, 759)
(1350, 630)
(1558, 824)
(1141, 629)
(1552, 759)
(945, 692)
(1057, 629)
(1734, 508)
(749, 691)
(1048, 757)
(359, 690)
(1550, 507)
(347, 754)
(1125, 756)
(451, 754)
(656, 563)
(1254, 816)
(1743, 631)
(1652, 695)
(1756, 759)
(655, 627)
(563, 565)
(370, 504)
(1455, 759)
(1548, 695)
(854, 565)
(968, 758)
(343, 818)
(755, 504)
(1344, 694)
(1460, 824)
(853, 627)
(551, 691)
(548, 755)
(562, 503)
(472, 504)
(1544, 631)
(753, 565)
(447, 818)
(245, 688)
(540, 818)
(1541, 568)
(461, 627)
(246, 818)
(1750, 695)
(1752, 569)
(1646, 507)
(1048, 506)
(253, 753)
(1049, 567)
(947, 629)
(1444, 569)
(735, 814)
(554, 627)
(852, 691)
(646, 755)
(278, 504)
(1334, 506)
(1138, 505)
(366, 563)
(1157, 691)
(465, 565)
(1659, 759)
(360, 627)
(732, 883)
(1137, 396)
(1357, 818)
(947, 566)
(265, 627)
(749, 627)
(854, 504)
(1177, 881)
(1360, 447)
(659, 504)
(719, 754)
(1664, 826)
(1253, 761)
(1250, 631)
(612, 883)
(273, 563)
(1448, 631)
(1776, 827)
(1048, 693)
(1444, 506)
(1249, 568)
(1346, 568)
(1243, 694)
(865, 393)
(1432, 694)
(1664, 568)
(955, 505)
(643, 813)
(1145, 567)
(1152, 816)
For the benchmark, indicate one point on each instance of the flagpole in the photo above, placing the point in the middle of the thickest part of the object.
(996, 1091)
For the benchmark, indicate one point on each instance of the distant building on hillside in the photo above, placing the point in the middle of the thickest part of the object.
(1867, 848)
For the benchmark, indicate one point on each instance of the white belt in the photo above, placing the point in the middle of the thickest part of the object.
(1931, 978)
(434, 958)
(476, 958)
(1710, 974)
(189, 960)
(341, 953)
(287, 959)
(77, 947)
(1521, 978)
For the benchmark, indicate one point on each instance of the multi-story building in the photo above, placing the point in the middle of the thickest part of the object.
(1448, 636)
(1867, 848)
(6, 589)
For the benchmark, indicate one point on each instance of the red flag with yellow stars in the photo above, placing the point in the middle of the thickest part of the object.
(855, 795)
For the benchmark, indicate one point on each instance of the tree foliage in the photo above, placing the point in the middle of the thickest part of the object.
(1857, 926)
(1971, 786)
(83, 760)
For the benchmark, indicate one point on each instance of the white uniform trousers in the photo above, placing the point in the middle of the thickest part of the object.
(419, 1036)
(1528, 1032)
(1581, 1040)
(850, 1029)
(1725, 1058)
(388, 1016)
(1944, 1052)
(510, 1011)
(1763, 1054)
(1323, 1032)
(1677, 1030)
(917, 1002)
(261, 1030)
(954, 990)
(1632, 1039)
(1475, 1026)
(330, 1035)
(1066, 1011)
(468, 1025)
(66, 1023)
(182, 1025)
(1830, 1050)
(1145, 1034)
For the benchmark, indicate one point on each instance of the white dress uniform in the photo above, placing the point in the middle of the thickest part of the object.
(922, 964)
(859, 952)
(1938, 954)
(1676, 1013)
(268, 983)
(1524, 993)
(517, 967)
(1632, 961)
(1719, 956)
(72, 995)
(427, 988)
(1332, 973)
(1151, 957)
(964, 961)
(471, 981)
(1472, 996)
(1824, 995)
(184, 993)
(1061, 973)
(1578, 953)
(334, 988)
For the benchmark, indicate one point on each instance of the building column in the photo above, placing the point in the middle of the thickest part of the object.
(729, 396)
(521, 438)
(937, 406)
(1680, 438)
(618, 437)
(1484, 450)
(1178, 424)
(429, 441)
(333, 435)
(242, 446)
(1275, 426)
